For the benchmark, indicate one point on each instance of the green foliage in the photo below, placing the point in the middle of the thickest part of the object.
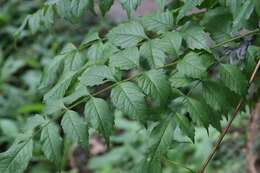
(163, 69)
(99, 116)
(75, 128)
(129, 98)
(17, 157)
(51, 143)
(127, 34)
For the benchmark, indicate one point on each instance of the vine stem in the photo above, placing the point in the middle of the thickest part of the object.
(234, 115)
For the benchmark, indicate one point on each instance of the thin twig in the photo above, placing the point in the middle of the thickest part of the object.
(234, 115)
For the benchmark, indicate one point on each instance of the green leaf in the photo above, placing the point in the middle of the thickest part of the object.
(257, 7)
(187, 7)
(8, 128)
(233, 78)
(90, 37)
(78, 92)
(17, 157)
(10, 66)
(218, 22)
(59, 90)
(253, 52)
(179, 80)
(145, 166)
(99, 53)
(196, 37)
(155, 84)
(52, 143)
(75, 128)
(203, 114)
(198, 112)
(70, 9)
(51, 72)
(216, 96)
(243, 15)
(78, 7)
(130, 5)
(63, 9)
(158, 21)
(171, 42)
(96, 75)
(53, 106)
(129, 98)
(125, 59)
(33, 122)
(161, 137)
(193, 65)
(34, 21)
(105, 6)
(73, 62)
(153, 52)
(127, 34)
(99, 116)
(186, 127)
(48, 16)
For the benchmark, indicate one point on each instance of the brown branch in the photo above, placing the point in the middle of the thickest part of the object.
(252, 138)
(223, 134)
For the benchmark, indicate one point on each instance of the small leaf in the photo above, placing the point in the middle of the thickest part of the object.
(96, 75)
(158, 21)
(99, 116)
(63, 9)
(185, 126)
(75, 128)
(218, 22)
(155, 84)
(203, 114)
(130, 5)
(80, 91)
(48, 16)
(161, 137)
(35, 21)
(69, 9)
(193, 65)
(50, 74)
(125, 59)
(171, 42)
(127, 34)
(179, 80)
(78, 7)
(244, 13)
(187, 7)
(198, 112)
(147, 166)
(233, 78)
(153, 52)
(196, 37)
(129, 98)
(17, 157)
(105, 6)
(33, 122)
(59, 90)
(90, 37)
(99, 53)
(53, 106)
(52, 143)
(215, 95)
